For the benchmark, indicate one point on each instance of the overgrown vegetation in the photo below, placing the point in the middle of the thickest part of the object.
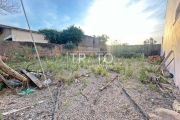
(70, 45)
(67, 70)
(125, 51)
(67, 36)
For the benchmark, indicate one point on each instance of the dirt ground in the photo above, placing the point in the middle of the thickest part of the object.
(82, 100)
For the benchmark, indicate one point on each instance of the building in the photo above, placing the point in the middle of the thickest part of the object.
(89, 44)
(19, 34)
(171, 39)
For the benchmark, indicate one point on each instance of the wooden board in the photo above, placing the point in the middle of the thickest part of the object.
(165, 60)
(5, 81)
(33, 78)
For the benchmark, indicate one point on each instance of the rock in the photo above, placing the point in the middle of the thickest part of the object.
(154, 117)
(176, 105)
(167, 114)
(77, 81)
(47, 82)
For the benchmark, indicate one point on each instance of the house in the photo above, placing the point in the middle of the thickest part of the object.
(171, 39)
(19, 34)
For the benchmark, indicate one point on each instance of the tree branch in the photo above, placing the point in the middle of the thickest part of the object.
(8, 6)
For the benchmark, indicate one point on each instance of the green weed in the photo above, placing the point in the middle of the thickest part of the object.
(77, 74)
(1, 116)
(141, 89)
(128, 72)
(142, 74)
(152, 86)
(84, 80)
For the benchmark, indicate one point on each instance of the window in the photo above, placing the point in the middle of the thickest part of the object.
(177, 12)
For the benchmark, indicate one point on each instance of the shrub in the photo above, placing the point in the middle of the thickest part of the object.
(70, 45)
(125, 51)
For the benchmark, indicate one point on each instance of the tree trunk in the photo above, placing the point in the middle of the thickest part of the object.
(5, 68)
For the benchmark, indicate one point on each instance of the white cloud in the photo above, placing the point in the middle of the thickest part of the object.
(114, 18)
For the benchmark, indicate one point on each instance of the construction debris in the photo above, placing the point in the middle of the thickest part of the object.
(15, 83)
(166, 73)
(27, 91)
(33, 78)
(5, 81)
(164, 60)
(5, 68)
(154, 58)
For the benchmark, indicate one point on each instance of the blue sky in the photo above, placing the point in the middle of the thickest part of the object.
(130, 21)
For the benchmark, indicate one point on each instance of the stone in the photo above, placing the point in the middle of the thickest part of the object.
(176, 105)
(154, 117)
(167, 114)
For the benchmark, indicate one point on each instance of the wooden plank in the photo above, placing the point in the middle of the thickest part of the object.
(102, 88)
(33, 78)
(165, 60)
(5, 81)
(5, 68)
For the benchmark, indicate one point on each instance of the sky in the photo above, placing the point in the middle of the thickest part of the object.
(127, 21)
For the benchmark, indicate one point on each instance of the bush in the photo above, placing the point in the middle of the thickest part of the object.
(70, 45)
(125, 51)
(72, 33)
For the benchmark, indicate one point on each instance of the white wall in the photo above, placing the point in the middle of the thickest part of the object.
(172, 39)
(19, 35)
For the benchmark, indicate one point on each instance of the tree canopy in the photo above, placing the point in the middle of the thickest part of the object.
(52, 35)
(103, 37)
(150, 41)
(72, 33)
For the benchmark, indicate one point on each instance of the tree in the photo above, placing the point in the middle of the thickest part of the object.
(104, 38)
(52, 35)
(73, 34)
(8, 6)
(150, 41)
(149, 45)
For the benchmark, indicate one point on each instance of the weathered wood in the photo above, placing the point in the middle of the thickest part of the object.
(5, 81)
(5, 68)
(33, 78)
(165, 80)
(164, 60)
(169, 63)
(152, 77)
(102, 88)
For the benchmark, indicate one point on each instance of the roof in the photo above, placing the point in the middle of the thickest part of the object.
(22, 29)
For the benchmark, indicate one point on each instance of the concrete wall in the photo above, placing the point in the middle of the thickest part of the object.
(12, 48)
(19, 35)
(145, 49)
(88, 44)
(89, 41)
(171, 39)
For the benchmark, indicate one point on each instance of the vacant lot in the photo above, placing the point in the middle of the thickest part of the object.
(75, 91)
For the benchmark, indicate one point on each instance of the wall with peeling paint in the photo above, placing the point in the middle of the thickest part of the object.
(171, 39)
